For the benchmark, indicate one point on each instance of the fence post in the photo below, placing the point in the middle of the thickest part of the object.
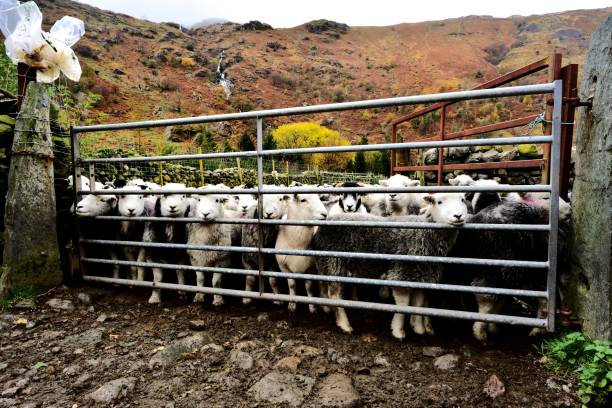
(201, 168)
(239, 170)
(31, 251)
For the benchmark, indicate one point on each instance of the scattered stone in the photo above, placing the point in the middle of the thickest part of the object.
(8, 402)
(337, 390)
(88, 338)
(307, 351)
(491, 155)
(212, 347)
(381, 360)
(433, 351)
(82, 381)
(282, 388)
(446, 362)
(102, 318)
(290, 363)
(321, 371)
(174, 351)
(552, 384)
(84, 298)
(113, 390)
(25, 304)
(363, 371)
(198, 325)
(474, 157)
(10, 392)
(60, 304)
(263, 317)
(78, 351)
(241, 359)
(71, 370)
(493, 387)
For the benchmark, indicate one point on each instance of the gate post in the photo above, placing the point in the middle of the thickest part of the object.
(591, 244)
(31, 252)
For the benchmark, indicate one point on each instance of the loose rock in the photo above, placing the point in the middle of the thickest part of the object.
(493, 387)
(198, 325)
(113, 390)
(446, 362)
(290, 363)
(433, 351)
(174, 351)
(60, 304)
(282, 388)
(84, 298)
(337, 391)
(241, 359)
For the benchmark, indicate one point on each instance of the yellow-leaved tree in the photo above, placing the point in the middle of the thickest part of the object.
(308, 134)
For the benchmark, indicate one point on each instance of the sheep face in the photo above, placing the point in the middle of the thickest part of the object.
(542, 199)
(173, 205)
(210, 207)
(131, 205)
(95, 205)
(306, 207)
(402, 200)
(350, 202)
(447, 208)
(243, 202)
(274, 206)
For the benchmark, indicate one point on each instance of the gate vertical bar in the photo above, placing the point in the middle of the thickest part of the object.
(441, 150)
(554, 73)
(92, 176)
(551, 284)
(393, 151)
(569, 76)
(75, 149)
(260, 202)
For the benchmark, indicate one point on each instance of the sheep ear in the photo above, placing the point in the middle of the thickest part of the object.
(384, 183)
(143, 186)
(119, 183)
(286, 197)
(296, 196)
(358, 204)
(429, 199)
(223, 199)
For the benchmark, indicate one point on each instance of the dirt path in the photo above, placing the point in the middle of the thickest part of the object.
(91, 345)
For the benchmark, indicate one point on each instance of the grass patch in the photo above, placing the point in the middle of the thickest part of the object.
(589, 360)
(18, 294)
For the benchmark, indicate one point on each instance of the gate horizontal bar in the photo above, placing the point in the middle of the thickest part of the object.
(334, 223)
(427, 311)
(327, 278)
(332, 149)
(334, 190)
(336, 254)
(332, 107)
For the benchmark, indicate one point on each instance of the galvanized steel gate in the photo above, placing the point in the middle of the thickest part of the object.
(554, 88)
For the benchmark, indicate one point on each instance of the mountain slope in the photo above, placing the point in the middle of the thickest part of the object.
(147, 70)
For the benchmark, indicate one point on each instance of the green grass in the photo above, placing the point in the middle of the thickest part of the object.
(18, 294)
(589, 360)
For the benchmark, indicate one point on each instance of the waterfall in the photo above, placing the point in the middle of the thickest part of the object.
(222, 80)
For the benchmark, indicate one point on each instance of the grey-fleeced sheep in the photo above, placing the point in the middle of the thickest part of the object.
(517, 245)
(443, 208)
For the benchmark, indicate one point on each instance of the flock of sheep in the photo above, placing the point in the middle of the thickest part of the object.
(453, 209)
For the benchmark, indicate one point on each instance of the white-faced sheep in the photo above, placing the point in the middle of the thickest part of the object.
(506, 244)
(209, 208)
(348, 202)
(274, 207)
(300, 207)
(133, 205)
(444, 208)
(403, 203)
(174, 206)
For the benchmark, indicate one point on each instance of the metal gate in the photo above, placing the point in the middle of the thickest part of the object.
(88, 165)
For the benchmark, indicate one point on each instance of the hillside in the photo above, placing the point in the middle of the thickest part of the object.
(145, 70)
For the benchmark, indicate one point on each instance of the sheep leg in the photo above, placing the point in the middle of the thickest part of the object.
(140, 274)
(275, 289)
(417, 321)
(427, 319)
(180, 277)
(155, 294)
(323, 292)
(402, 298)
(216, 283)
(292, 292)
(538, 331)
(199, 297)
(249, 284)
(116, 268)
(354, 295)
(486, 304)
(335, 290)
(129, 255)
(310, 285)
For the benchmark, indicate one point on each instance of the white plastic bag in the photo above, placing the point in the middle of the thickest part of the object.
(50, 52)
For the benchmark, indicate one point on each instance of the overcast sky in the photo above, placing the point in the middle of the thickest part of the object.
(288, 13)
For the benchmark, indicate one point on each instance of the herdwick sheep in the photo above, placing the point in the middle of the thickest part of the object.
(209, 208)
(445, 208)
(403, 203)
(300, 207)
(375, 203)
(174, 206)
(274, 207)
(542, 199)
(243, 202)
(98, 205)
(348, 202)
(133, 205)
(523, 245)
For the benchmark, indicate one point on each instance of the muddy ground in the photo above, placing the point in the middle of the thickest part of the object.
(101, 347)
